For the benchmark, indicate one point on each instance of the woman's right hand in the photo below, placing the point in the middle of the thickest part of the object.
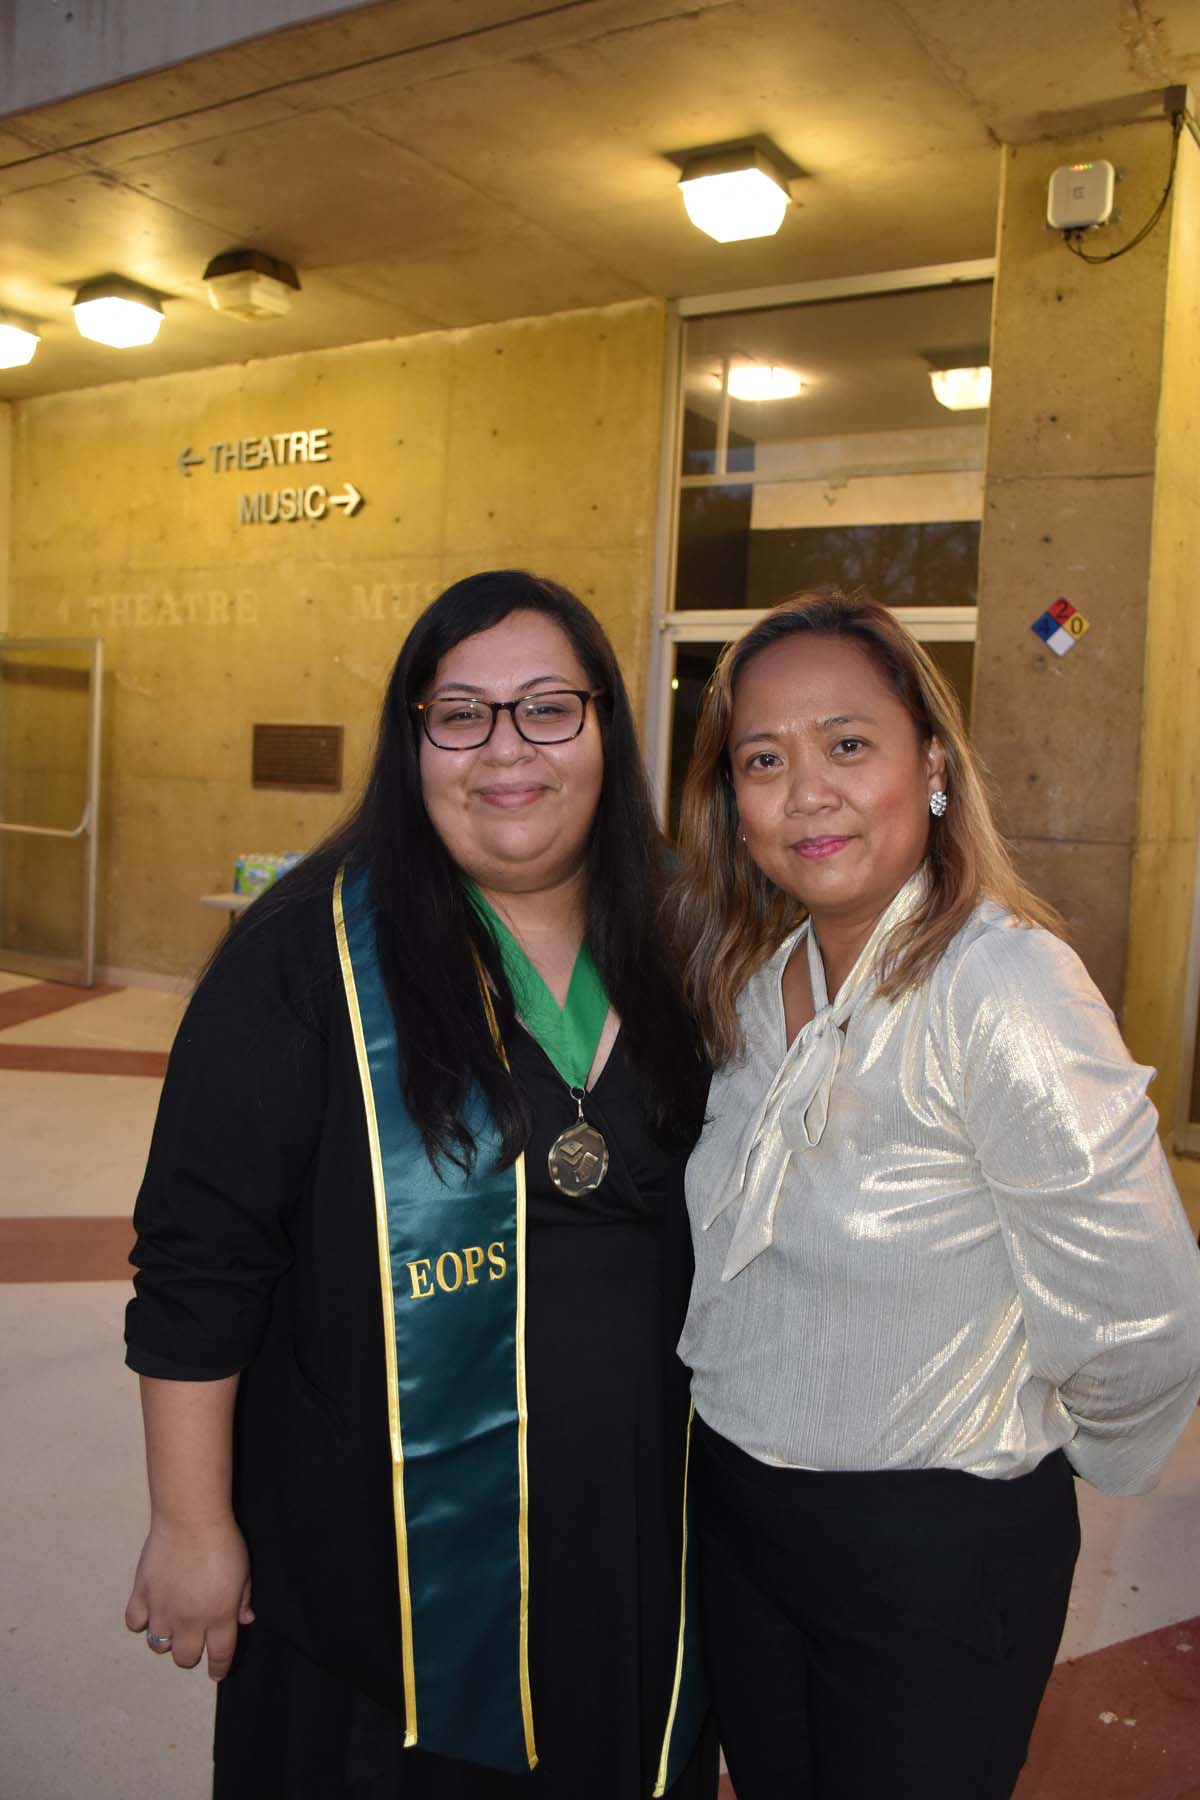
(191, 1592)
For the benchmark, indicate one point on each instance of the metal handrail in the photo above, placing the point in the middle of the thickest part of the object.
(59, 831)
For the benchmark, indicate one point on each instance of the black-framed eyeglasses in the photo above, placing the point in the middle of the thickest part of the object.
(463, 722)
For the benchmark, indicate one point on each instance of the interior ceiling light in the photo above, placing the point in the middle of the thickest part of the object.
(249, 284)
(764, 381)
(735, 194)
(116, 312)
(962, 389)
(18, 344)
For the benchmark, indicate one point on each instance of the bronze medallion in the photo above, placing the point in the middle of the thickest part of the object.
(578, 1160)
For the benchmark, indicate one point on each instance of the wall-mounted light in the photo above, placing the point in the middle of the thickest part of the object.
(18, 343)
(116, 312)
(962, 390)
(735, 194)
(764, 381)
(249, 284)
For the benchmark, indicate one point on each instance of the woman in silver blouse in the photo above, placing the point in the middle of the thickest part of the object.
(940, 1264)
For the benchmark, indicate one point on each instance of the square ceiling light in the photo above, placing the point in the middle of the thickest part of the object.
(122, 314)
(735, 194)
(18, 344)
(249, 284)
(962, 390)
(764, 381)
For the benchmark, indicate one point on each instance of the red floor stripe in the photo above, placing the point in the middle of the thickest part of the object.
(40, 998)
(1122, 1723)
(69, 1059)
(1119, 1724)
(86, 1249)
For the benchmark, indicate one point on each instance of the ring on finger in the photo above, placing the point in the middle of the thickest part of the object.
(158, 1643)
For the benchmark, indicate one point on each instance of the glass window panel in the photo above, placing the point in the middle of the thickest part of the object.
(863, 479)
(902, 565)
(865, 362)
(957, 663)
(724, 561)
(44, 700)
(714, 540)
(44, 718)
(694, 664)
(700, 445)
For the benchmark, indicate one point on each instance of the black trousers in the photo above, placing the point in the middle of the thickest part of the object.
(878, 1636)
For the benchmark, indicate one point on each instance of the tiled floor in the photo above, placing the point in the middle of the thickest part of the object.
(86, 1713)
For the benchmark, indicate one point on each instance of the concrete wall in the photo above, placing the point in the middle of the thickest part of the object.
(52, 49)
(1077, 353)
(6, 419)
(534, 443)
(1168, 815)
(5, 535)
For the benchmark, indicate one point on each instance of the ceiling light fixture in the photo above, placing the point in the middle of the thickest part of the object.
(249, 284)
(735, 194)
(962, 390)
(116, 312)
(18, 344)
(764, 381)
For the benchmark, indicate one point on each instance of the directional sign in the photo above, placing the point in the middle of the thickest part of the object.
(275, 449)
(271, 449)
(351, 499)
(284, 506)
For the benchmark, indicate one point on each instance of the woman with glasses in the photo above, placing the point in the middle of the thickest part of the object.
(412, 1260)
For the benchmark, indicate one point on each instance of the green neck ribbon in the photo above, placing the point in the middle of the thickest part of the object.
(568, 1034)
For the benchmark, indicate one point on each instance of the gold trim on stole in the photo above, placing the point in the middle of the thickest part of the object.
(522, 1403)
(523, 1466)
(389, 1318)
(660, 1785)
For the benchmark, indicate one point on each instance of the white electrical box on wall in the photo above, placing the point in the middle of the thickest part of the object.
(1081, 195)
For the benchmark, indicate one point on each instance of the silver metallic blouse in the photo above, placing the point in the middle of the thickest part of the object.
(940, 1232)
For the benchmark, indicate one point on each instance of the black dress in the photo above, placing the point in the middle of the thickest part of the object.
(256, 1252)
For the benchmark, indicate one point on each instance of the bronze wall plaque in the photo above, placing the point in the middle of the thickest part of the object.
(304, 757)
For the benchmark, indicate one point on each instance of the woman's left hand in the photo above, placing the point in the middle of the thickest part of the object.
(191, 1593)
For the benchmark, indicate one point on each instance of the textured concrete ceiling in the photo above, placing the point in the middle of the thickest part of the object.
(434, 163)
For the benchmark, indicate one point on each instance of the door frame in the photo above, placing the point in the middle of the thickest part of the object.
(82, 970)
(931, 624)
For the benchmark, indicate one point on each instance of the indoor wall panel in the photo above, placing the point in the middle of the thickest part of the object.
(533, 444)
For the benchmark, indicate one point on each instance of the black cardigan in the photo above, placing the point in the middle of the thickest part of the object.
(257, 1253)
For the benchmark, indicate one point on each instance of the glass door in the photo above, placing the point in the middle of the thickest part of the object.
(50, 708)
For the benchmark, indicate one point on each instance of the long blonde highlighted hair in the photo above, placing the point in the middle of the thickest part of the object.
(727, 917)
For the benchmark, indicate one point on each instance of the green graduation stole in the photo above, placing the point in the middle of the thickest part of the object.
(452, 1283)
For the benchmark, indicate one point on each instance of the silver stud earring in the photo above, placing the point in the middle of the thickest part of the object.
(939, 800)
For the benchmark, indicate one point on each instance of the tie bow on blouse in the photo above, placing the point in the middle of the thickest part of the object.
(795, 1109)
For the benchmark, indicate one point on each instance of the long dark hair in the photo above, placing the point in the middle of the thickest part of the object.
(427, 929)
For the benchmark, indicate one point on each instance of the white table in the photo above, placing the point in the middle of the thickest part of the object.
(233, 904)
